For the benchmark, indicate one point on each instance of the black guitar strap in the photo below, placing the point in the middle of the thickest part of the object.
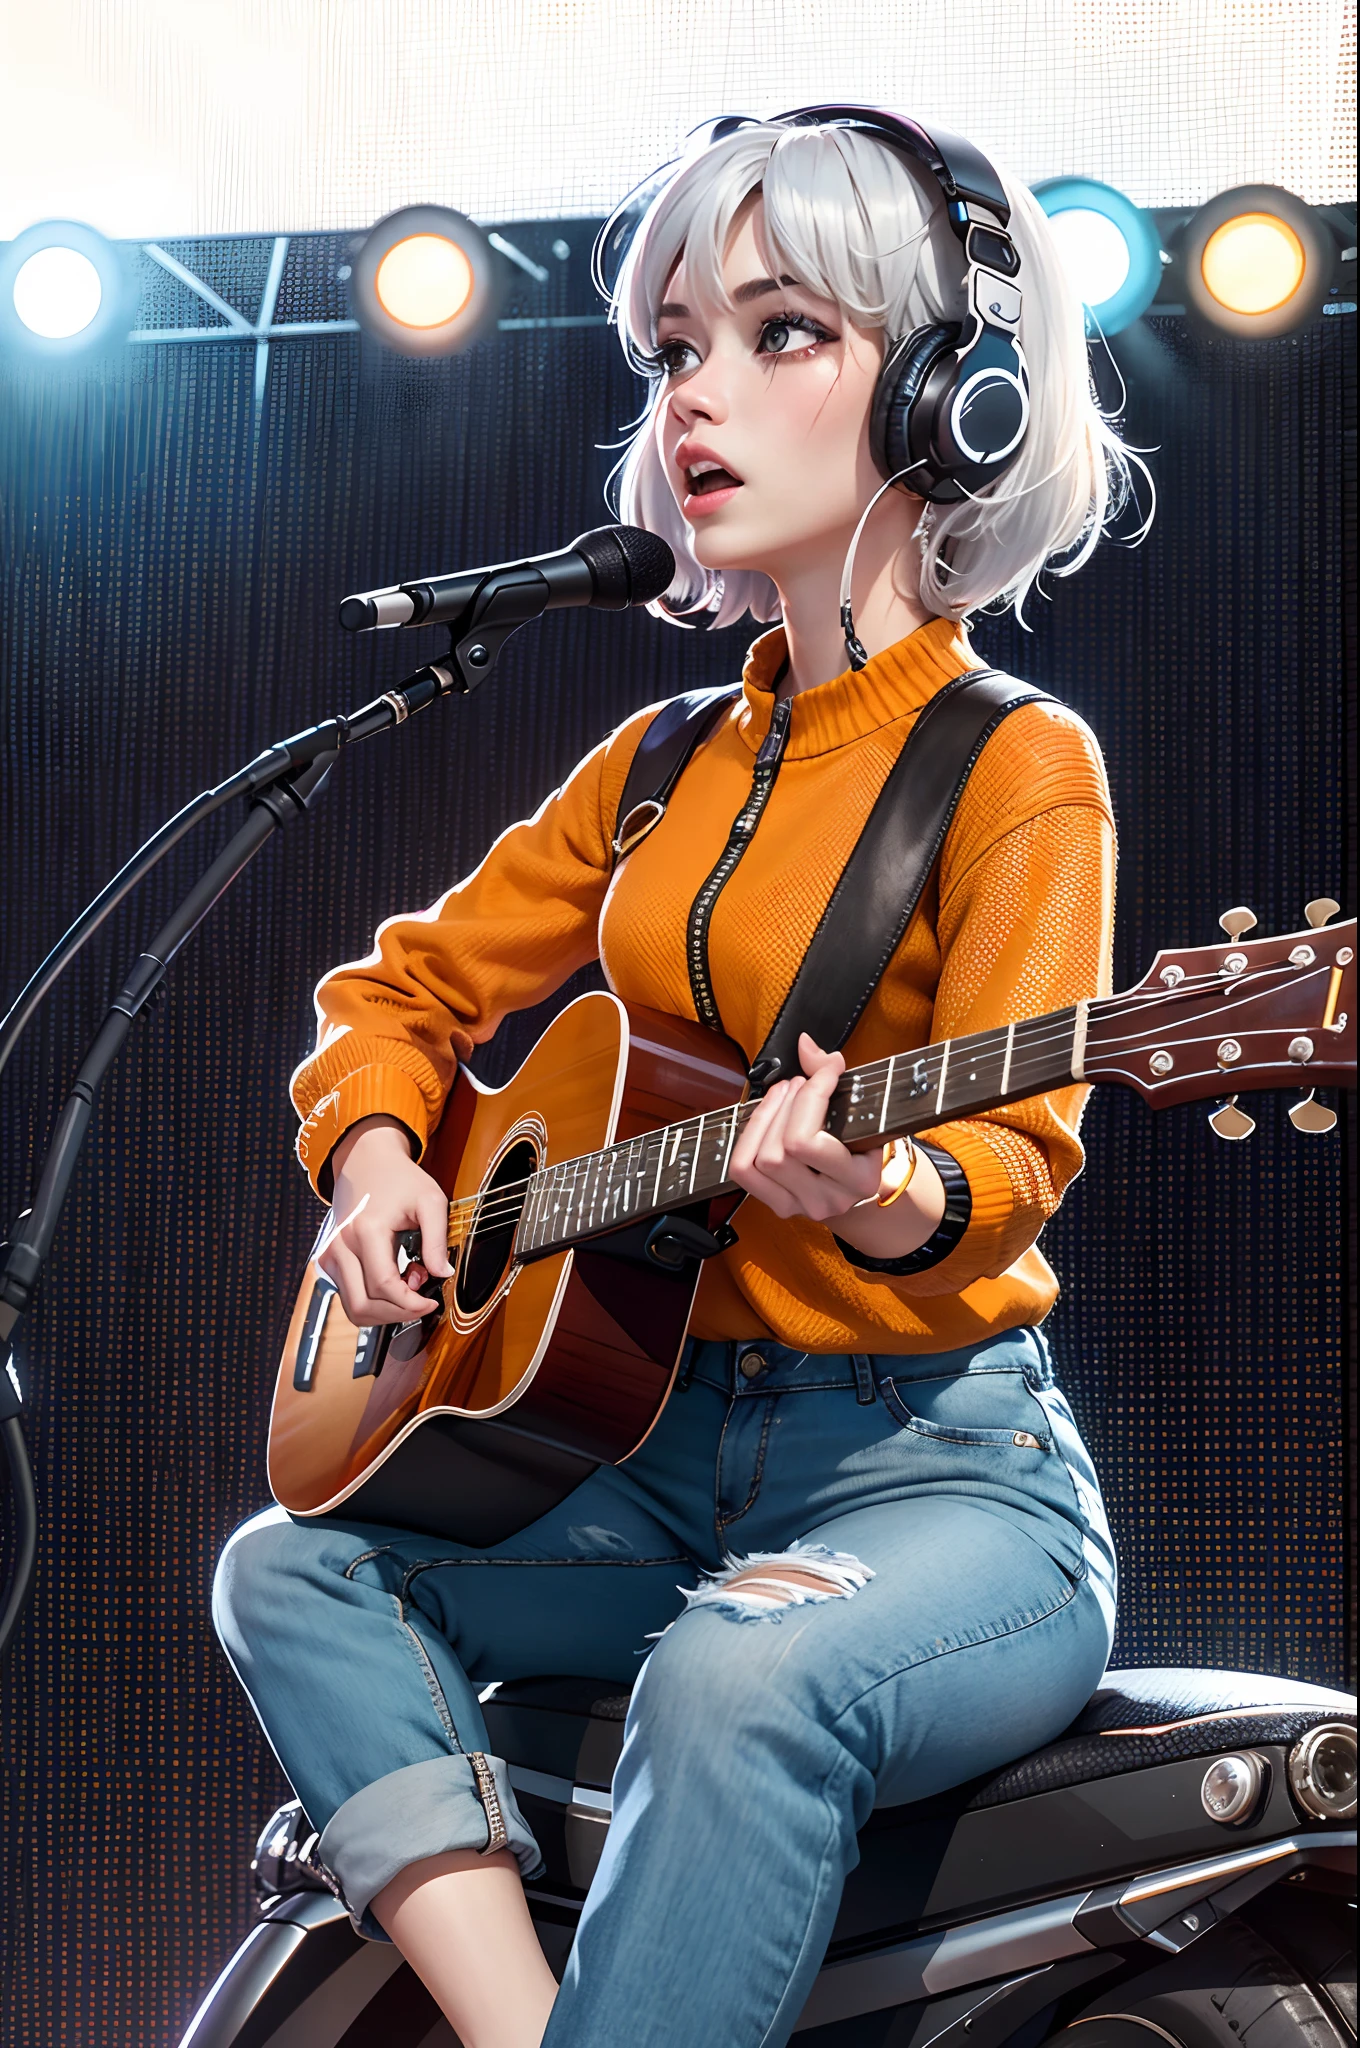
(661, 759)
(882, 881)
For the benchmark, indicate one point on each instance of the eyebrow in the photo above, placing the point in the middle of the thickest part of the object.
(758, 287)
(742, 296)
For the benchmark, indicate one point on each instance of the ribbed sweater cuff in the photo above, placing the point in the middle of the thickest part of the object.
(993, 1210)
(988, 1181)
(378, 1090)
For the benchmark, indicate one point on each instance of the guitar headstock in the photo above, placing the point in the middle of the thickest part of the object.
(1224, 1020)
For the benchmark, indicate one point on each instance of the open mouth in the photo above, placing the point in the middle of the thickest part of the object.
(706, 477)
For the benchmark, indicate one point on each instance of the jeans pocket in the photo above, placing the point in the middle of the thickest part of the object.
(988, 1409)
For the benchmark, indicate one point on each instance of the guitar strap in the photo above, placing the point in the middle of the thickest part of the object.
(882, 881)
(663, 754)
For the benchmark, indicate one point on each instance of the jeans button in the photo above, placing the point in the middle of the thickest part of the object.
(751, 1365)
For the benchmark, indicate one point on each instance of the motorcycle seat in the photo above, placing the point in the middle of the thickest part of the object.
(1119, 1792)
(572, 1727)
(1161, 1714)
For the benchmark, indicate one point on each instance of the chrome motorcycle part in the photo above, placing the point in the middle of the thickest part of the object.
(1322, 1771)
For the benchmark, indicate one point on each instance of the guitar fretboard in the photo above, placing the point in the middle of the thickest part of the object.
(689, 1161)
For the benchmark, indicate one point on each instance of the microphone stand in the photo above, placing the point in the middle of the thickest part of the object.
(283, 783)
(495, 607)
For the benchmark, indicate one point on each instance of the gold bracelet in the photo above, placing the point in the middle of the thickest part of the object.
(895, 1152)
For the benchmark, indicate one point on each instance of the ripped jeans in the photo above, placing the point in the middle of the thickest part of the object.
(959, 1614)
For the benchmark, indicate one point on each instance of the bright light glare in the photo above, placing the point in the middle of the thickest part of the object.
(1254, 263)
(1094, 253)
(425, 281)
(57, 293)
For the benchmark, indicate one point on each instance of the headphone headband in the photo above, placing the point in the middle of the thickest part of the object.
(962, 171)
(975, 203)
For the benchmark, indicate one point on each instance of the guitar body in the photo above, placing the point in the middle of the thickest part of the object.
(478, 1420)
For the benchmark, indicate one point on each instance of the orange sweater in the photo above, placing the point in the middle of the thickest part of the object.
(1018, 922)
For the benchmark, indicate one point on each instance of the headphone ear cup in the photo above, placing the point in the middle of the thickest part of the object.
(905, 369)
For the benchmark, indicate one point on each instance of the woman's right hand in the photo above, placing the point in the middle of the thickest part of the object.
(379, 1192)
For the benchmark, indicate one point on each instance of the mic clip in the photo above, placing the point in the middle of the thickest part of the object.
(507, 600)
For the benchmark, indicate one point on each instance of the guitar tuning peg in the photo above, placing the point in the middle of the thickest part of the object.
(1235, 922)
(1313, 1117)
(1317, 913)
(1230, 1121)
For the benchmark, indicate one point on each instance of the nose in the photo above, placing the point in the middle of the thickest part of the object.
(704, 395)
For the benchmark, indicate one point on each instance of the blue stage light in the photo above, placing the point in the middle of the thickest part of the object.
(64, 290)
(1110, 249)
(57, 293)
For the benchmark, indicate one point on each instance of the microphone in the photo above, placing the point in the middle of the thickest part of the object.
(611, 568)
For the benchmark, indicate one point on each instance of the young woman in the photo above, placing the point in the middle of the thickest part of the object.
(863, 1550)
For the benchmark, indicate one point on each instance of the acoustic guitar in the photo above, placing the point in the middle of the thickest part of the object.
(585, 1193)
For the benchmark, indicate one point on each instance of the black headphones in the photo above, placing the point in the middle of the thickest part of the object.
(952, 404)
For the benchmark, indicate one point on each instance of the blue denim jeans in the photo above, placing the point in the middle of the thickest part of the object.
(961, 1614)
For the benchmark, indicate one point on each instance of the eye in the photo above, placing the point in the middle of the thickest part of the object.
(673, 358)
(791, 334)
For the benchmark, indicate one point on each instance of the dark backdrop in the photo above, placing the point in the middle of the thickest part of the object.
(171, 567)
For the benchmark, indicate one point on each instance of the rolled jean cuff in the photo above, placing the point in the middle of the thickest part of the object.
(426, 1809)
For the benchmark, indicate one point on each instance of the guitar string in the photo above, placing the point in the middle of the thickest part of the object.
(509, 1201)
(570, 1175)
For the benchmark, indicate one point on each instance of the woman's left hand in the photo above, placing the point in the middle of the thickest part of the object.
(788, 1160)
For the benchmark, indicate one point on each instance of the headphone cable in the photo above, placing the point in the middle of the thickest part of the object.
(854, 647)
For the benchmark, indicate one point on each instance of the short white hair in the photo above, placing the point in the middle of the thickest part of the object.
(852, 220)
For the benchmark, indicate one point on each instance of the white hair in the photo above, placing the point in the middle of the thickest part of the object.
(851, 219)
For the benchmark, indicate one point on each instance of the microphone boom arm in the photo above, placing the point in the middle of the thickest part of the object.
(283, 783)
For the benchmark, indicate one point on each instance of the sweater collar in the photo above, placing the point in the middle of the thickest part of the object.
(893, 684)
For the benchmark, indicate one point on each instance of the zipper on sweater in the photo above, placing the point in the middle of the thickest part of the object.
(738, 839)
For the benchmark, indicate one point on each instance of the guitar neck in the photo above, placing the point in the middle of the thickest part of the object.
(689, 1161)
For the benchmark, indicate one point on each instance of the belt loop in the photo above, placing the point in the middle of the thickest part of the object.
(687, 1358)
(864, 1378)
(1038, 1371)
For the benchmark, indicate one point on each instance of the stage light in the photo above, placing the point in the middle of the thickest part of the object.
(57, 293)
(64, 290)
(1255, 261)
(1110, 249)
(424, 281)
(1253, 264)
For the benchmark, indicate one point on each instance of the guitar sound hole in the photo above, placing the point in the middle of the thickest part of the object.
(487, 1252)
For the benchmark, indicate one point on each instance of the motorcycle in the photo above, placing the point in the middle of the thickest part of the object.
(1177, 1867)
